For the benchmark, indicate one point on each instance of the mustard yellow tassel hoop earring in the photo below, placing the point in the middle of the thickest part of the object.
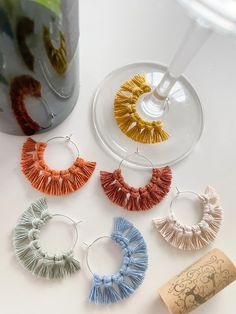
(144, 103)
(128, 118)
(56, 56)
(55, 66)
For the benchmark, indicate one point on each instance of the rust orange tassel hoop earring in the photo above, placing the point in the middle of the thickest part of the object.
(47, 180)
(136, 199)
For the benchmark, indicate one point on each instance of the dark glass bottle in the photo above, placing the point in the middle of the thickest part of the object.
(38, 64)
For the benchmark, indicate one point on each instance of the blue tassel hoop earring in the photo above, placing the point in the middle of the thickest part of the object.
(119, 286)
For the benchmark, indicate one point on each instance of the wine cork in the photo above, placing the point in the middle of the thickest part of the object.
(198, 283)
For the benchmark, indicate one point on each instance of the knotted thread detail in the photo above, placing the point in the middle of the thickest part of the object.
(136, 199)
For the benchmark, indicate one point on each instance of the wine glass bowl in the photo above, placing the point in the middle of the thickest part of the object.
(218, 14)
(173, 101)
(182, 117)
(37, 48)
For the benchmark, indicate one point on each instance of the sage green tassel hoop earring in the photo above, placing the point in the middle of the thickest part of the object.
(28, 250)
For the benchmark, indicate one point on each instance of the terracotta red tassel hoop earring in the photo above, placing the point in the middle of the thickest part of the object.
(136, 199)
(47, 180)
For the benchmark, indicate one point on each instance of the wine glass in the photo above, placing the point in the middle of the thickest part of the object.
(172, 100)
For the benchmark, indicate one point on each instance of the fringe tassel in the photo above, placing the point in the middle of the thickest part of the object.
(50, 181)
(112, 289)
(28, 250)
(132, 199)
(95, 294)
(54, 186)
(125, 289)
(67, 186)
(121, 225)
(125, 122)
(198, 236)
(159, 134)
(140, 81)
(127, 117)
(132, 88)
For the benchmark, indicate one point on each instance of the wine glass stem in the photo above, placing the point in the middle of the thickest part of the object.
(196, 35)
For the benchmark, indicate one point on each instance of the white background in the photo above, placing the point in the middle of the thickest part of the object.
(115, 33)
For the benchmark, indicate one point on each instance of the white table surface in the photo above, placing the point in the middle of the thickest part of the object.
(115, 33)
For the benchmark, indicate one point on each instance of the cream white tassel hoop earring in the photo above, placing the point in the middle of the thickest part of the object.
(28, 250)
(199, 235)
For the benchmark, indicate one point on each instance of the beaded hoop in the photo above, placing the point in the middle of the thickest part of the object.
(51, 181)
(199, 235)
(136, 199)
(28, 249)
(111, 289)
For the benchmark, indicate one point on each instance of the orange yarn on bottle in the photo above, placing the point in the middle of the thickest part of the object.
(21, 87)
(48, 181)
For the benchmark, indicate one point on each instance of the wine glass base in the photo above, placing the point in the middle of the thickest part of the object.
(183, 118)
